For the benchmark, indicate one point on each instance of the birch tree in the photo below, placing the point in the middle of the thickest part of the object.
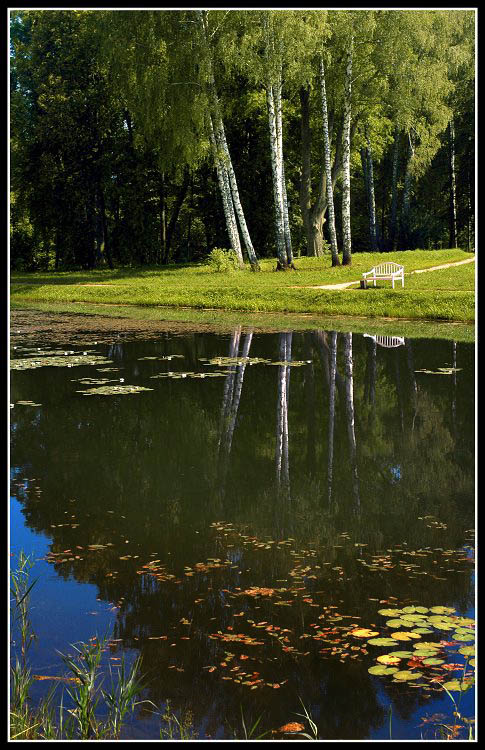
(328, 168)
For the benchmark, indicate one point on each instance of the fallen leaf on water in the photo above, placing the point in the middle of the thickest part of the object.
(292, 726)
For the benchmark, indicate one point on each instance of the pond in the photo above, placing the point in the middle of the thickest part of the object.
(255, 514)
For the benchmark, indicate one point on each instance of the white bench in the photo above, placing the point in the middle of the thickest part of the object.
(387, 270)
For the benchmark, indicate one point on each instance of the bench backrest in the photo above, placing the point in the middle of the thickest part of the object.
(389, 267)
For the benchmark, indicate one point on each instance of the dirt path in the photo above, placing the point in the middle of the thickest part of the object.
(420, 270)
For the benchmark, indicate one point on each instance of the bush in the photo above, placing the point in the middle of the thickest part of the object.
(223, 261)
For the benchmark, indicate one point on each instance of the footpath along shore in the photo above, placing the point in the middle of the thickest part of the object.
(419, 270)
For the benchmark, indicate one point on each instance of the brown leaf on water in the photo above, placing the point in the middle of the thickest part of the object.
(292, 726)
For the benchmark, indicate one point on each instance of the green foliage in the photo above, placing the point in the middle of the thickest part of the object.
(222, 261)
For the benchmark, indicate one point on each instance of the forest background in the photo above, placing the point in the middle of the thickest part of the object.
(142, 138)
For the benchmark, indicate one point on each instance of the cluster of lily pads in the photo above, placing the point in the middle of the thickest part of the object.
(409, 624)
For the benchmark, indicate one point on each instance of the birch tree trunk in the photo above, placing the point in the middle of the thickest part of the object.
(253, 260)
(313, 215)
(328, 169)
(284, 199)
(225, 189)
(277, 186)
(393, 227)
(346, 232)
(453, 232)
(227, 181)
(372, 200)
(406, 197)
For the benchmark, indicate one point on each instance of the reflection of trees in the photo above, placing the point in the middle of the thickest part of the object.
(349, 403)
(282, 457)
(230, 402)
(150, 460)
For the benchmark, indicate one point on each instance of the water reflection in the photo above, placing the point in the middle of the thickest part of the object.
(175, 502)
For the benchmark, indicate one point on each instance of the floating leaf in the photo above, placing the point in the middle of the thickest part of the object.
(382, 642)
(397, 623)
(402, 654)
(388, 659)
(442, 610)
(467, 651)
(405, 675)
(460, 636)
(363, 633)
(381, 669)
(390, 612)
(457, 685)
(430, 661)
(292, 726)
(427, 645)
(404, 635)
(422, 631)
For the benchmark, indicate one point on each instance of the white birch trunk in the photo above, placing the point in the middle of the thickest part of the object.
(406, 197)
(277, 186)
(372, 200)
(453, 232)
(227, 203)
(284, 199)
(346, 232)
(393, 230)
(328, 169)
(253, 260)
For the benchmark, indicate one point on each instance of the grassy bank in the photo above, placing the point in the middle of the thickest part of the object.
(442, 295)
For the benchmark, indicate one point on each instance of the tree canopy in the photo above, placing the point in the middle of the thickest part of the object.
(154, 136)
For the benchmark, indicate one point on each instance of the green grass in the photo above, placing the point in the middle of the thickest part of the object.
(446, 295)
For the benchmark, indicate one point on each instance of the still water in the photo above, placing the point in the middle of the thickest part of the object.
(239, 509)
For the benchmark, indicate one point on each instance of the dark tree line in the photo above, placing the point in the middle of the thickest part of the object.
(111, 113)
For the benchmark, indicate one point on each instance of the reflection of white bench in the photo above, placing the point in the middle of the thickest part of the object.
(387, 270)
(389, 342)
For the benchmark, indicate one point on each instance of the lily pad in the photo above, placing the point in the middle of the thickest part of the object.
(402, 654)
(382, 642)
(421, 653)
(422, 631)
(427, 645)
(396, 623)
(467, 651)
(389, 612)
(405, 635)
(461, 636)
(432, 660)
(413, 618)
(381, 669)
(442, 610)
(363, 633)
(457, 685)
(388, 659)
(405, 675)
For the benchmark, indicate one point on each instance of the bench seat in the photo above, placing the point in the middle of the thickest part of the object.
(388, 270)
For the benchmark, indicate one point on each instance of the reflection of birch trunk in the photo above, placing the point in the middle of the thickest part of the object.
(349, 399)
(230, 404)
(282, 456)
(453, 400)
(399, 389)
(371, 377)
(310, 406)
(237, 394)
(229, 387)
(414, 385)
(331, 411)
